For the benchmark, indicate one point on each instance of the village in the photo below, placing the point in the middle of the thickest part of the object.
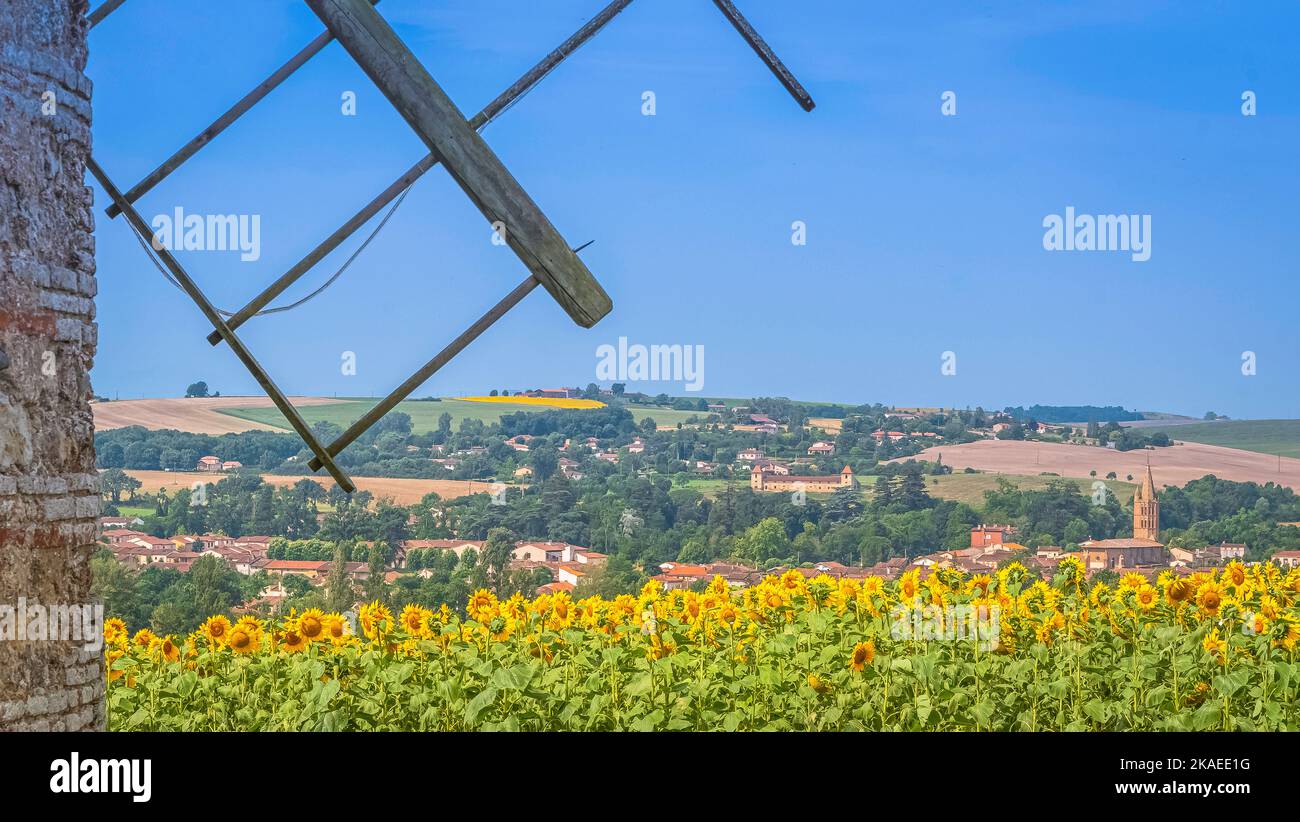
(991, 548)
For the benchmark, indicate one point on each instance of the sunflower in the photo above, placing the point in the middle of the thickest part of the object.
(413, 619)
(818, 684)
(113, 628)
(1235, 573)
(1215, 646)
(335, 628)
(243, 640)
(1133, 580)
(1289, 628)
(376, 620)
(729, 615)
(143, 639)
(312, 624)
(907, 587)
(216, 630)
(1146, 597)
(1178, 590)
(293, 642)
(483, 606)
(863, 655)
(1210, 596)
(168, 650)
(251, 624)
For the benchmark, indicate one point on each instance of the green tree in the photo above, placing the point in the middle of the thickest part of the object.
(765, 541)
(339, 594)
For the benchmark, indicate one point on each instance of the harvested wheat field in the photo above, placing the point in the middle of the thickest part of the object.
(829, 424)
(403, 491)
(1175, 465)
(196, 415)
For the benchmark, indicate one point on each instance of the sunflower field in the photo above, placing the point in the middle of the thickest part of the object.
(1209, 651)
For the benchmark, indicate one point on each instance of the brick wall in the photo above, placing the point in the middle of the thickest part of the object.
(48, 486)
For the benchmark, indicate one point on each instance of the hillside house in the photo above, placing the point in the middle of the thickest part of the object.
(1287, 559)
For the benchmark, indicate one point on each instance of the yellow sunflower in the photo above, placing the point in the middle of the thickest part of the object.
(292, 642)
(312, 624)
(216, 630)
(1178, 591)
(113, 628)
(1215, 646)
(1210, 596)
(242, 639)
(1146, 597)
(376, 620)
(413, 619)
(863, 655)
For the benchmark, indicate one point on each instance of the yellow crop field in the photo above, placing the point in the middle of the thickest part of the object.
(545, 402)
(1000, 651)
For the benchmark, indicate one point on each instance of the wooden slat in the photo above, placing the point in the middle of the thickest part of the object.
(103, 10)
(474, 166)
(765, 53)
(502, 101)
(427, 370)
(250, 362)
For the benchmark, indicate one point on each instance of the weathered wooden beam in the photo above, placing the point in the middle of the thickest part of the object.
(469, 160)
(223, 122)
(273, 391)
(502, 102)
(765, 53)
(101, 11)
(428, 369)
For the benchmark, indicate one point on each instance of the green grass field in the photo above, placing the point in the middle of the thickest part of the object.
(967, 488)
(424, 415)
(1262, 436)
(136, 510)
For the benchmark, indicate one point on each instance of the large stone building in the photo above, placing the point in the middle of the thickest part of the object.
(48, 486)
(1144, 549)
(764, 480)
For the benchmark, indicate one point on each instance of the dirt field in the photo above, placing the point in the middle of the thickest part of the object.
(197, 415)
(403, 491)
(1175, 465)
(826, 424)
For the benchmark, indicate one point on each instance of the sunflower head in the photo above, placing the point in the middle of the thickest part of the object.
(292, 642)
(243, 640)
(312, 624)
(216, 630)
(864, 653)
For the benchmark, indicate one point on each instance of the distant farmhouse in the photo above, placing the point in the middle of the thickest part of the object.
(767, 480)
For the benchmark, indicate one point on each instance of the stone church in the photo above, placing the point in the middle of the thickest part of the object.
(1144, 549)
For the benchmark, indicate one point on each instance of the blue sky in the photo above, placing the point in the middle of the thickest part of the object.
(924, 232)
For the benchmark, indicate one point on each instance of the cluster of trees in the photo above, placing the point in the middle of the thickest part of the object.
(1127, 439)
(1073, 413)
(142, 449)
(166, 600)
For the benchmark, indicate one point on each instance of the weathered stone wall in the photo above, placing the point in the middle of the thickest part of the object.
(48, 499)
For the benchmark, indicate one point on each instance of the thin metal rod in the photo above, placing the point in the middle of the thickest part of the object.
(103, 10)
(429, 369)
(333, 241)
(223, 122)
(490, 112)
(765, 53)
(250, 362)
